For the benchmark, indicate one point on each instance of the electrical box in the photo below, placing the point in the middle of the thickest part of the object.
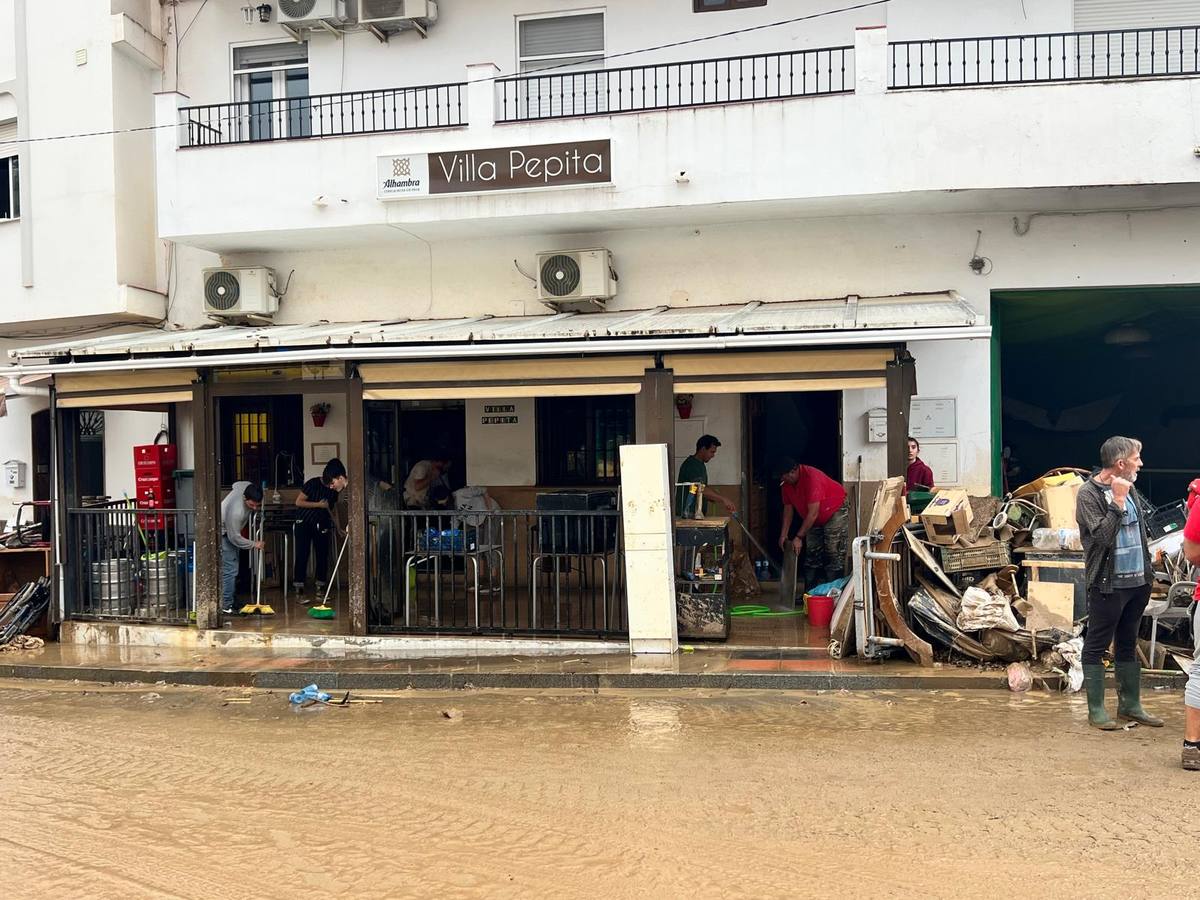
(877, 426)
(14, 474)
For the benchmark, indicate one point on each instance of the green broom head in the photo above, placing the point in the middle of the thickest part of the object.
(321, 612)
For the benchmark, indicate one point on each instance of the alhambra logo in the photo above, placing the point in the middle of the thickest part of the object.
(401, 168)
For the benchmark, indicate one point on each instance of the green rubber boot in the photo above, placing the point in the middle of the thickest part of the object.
(1093, 682)
(1129, 695)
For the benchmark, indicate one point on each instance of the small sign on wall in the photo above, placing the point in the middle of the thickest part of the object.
(933, 417)
(500, 414)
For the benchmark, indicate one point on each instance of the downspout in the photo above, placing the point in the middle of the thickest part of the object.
(26, 390)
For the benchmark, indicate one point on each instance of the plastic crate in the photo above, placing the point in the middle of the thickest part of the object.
(1166, 520)
(968, 559)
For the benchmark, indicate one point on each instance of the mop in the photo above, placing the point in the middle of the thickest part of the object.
(324, 610)
(258, 608)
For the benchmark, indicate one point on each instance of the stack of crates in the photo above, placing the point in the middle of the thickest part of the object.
(154, 468)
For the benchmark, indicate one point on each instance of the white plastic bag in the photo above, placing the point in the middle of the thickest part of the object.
(1072, 652)
(1056, 539)
(981, 610)
(1020, 679)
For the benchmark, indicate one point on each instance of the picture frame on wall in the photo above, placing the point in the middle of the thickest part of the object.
(324, 452)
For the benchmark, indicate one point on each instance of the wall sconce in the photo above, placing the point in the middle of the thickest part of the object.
(264, 12)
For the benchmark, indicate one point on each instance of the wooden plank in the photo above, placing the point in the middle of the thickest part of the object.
(921, 651)
(1052, 606)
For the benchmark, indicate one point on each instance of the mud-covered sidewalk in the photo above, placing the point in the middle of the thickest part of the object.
(174, 792)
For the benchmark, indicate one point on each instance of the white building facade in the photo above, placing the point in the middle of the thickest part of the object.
(841, 181)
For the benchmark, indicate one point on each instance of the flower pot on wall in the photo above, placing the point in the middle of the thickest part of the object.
(683, 405)
(319, 419)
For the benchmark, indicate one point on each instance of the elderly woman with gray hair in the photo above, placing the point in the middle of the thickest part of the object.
(1119, 575)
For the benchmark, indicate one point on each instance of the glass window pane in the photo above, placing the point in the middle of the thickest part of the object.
(14, 170)
(260, 91)
(299, 107)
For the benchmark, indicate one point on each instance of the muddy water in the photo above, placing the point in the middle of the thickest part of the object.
(160, 792)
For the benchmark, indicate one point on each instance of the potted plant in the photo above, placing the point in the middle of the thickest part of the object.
(683, 404)
(319, 412)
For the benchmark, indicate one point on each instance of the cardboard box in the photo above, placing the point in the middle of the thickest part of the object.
(1059, 503)
(947, 516)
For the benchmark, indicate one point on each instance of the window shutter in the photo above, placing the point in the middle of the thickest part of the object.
(562, 35)
(1100, 15)
(267, 55)
(8, 132)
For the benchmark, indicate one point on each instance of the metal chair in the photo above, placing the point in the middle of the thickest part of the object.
(1175, 606)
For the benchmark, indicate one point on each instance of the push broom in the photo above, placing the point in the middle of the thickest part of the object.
(324, 610)
(258, 608)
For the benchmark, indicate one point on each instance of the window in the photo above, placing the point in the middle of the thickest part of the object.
(579, 439)
(273, 80)
(556, 49)
(10, 189)
(262, 439)
(716, 5)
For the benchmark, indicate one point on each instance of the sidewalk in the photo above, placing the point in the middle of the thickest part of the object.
(702, 667)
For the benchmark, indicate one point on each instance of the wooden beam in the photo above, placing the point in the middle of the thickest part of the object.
(208, 508)
(901, 386)
(655, 410)
(356, 469)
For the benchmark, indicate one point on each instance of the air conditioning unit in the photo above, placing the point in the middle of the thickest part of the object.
(240, 292)
(398, 13)
(312, 13)
(576, 280)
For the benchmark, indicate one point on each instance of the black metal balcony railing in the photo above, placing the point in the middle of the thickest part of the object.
(676, 85)
(1034, 58)
(501, 572)
(130, 564)
(325, 115)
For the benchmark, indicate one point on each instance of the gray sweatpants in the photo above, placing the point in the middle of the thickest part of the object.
(1191, 694)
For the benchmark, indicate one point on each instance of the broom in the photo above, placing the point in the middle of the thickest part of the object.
(258, 608)
(324, 610)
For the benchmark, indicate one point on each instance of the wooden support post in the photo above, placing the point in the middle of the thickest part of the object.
(655, 411)
(356, 469)
(206, 483)
(901, 380)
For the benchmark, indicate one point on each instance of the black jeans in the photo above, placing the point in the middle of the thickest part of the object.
(1113, 619)
(307, 538)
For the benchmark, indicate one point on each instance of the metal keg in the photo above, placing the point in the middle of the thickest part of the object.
(160, 586)
(112, 587)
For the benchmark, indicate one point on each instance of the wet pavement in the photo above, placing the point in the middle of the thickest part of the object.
(696, 666)
(176, 792)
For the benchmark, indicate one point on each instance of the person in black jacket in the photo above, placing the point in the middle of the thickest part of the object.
(316, 502)
(1118, 573)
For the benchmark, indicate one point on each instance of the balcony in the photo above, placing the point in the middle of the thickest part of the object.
(987, 123)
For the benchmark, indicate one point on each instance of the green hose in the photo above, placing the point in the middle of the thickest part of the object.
(763, 612)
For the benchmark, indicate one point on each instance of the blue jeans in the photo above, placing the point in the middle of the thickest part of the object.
(229, 571)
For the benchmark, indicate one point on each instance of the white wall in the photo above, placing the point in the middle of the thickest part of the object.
(333, 431)
(123, 430)
(721, 416)
(8, 49)
(502, 455)
(16, 442)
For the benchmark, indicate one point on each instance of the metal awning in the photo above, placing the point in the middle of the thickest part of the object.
(756, 325)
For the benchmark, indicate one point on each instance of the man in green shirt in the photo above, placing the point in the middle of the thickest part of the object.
(694, 470)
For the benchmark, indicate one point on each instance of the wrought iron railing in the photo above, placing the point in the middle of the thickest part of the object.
(130, 564)
(324, 115)
(504, 572)
(675, 85)
(1035, 58)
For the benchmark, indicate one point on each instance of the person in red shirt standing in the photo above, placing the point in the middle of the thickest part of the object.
(919, 476)
(823, 535)
(1191, 694)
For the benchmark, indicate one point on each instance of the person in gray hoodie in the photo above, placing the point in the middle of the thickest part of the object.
(1118, 573)
(243, 498)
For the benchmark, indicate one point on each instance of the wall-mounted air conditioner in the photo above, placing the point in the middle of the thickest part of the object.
(240, 292)
(393, 14)
(312, 13)
(576, 280)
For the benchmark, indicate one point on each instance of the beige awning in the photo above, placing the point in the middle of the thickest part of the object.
(503, 378)
(779, 370)
(118, 389)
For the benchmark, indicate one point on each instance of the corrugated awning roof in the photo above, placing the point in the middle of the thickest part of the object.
(849, 319)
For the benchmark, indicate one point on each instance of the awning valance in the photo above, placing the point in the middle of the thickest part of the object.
(503, 378)
(120, 389)
(779, 370)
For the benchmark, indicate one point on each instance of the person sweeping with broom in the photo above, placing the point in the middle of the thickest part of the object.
(316, 502)
(243, 498)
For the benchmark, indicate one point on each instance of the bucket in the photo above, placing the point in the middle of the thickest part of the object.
(820, 610)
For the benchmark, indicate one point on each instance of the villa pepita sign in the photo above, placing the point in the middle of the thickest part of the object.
(523, 168)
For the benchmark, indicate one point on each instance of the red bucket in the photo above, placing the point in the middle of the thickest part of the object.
(820, 610)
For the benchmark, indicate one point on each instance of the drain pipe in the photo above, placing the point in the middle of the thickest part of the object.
(26, 390)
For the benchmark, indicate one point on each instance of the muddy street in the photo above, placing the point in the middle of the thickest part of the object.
(168, 792)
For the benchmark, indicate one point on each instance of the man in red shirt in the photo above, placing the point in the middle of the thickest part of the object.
(919, 476)
(1191, 694)
(824, 529)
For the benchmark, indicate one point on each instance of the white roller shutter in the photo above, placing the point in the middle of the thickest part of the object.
(8, 131)
(1101, 15)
